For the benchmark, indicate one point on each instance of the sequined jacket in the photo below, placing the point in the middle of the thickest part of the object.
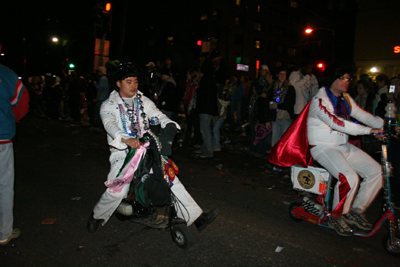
(113, 118)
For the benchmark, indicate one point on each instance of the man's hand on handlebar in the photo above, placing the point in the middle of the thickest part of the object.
(131, 142)
(379, 133)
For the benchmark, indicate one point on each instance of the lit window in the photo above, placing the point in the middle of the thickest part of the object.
(257, 26)
(258, 44)
(238, 2)
(203, 17)
(237, 20)
(258, 8)
(171, 38)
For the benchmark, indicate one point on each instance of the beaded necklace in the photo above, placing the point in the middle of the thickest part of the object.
(280, 92)
(132, 116)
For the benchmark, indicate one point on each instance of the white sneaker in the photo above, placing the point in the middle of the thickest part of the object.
(15, 234)
(340, 226)
(358, 219)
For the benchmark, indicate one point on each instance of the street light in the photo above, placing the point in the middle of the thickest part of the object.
(310, 30)
(54, 39)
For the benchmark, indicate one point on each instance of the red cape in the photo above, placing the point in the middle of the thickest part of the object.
(293, 148)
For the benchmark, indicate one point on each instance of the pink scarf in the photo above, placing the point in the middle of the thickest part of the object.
(126, 175)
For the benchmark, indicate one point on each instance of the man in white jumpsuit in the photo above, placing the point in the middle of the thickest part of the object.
(328, 127)
(125, 115)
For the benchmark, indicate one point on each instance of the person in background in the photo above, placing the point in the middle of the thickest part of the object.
(265, 80)
(367, 101)
(14, 99)
(75, 87)
(218, 120)
(167, 99)
(91, 93)
(235, 95)
(151, 79)
(102, 94)
(382, 82)
(365, 98)
(306, 85)
(168, 66)
(281, 98)
(192, 117)
(221, 70)
(245, 102)
(207, 107)
(257, 111)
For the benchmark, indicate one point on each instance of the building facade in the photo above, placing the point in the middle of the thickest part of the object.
(266, 32)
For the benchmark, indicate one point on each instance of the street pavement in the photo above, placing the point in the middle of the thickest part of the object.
(60, 172)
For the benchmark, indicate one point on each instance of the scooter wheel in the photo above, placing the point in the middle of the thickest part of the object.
(394, 249)
(181, 237)
(292, 207)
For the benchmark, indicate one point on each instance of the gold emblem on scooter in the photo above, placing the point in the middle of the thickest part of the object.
(306, 179)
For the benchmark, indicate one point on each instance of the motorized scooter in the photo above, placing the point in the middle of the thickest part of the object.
(318, 211)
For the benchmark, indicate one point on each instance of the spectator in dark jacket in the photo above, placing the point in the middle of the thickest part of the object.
(220, 71)
(207, 107)
(167, 99)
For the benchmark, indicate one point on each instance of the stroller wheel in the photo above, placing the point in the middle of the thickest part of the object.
(181, 237)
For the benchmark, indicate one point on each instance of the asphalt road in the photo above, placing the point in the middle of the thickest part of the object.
(60, 171)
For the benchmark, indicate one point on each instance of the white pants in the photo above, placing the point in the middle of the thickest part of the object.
(344, 162)
(187, 208)
(6, 190)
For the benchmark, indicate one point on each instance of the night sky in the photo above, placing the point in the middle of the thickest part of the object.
(26, 31)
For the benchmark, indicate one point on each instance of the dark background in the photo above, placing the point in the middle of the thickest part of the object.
(139, 32)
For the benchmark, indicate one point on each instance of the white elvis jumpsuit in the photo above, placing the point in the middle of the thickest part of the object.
(114, 121)
(328, 137)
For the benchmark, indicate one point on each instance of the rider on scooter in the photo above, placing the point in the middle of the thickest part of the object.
(328, 127)
(125, 115)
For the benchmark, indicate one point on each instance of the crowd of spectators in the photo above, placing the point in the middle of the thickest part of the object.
(262, 108)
